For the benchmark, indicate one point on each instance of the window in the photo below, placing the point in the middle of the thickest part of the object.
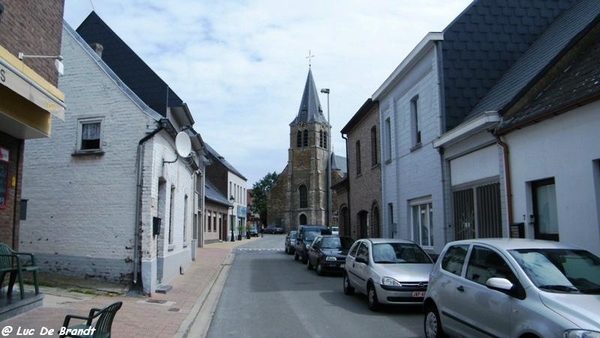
(305, 138)
(388, 139)
(209, 221)
(485, 264)
(454, 259)
(302, 190)
(422, 225)
(299, 139)
(374, 151)
(171, 214)
(303, 220)
(325, 140)
(414, 116)
(363, 252)
(89, 134)
(545, 209)
(185, 214)
(321, 138)
(358, 164)
(4, 177)
(477, 212)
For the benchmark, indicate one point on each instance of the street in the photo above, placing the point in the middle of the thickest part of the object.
(268, 294)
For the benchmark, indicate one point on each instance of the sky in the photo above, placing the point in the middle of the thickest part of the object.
(241, 65)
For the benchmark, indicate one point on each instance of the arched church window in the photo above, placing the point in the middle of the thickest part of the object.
(321, 138)
(325, 140)
(303, 192)
(303, 219)
(299, 139)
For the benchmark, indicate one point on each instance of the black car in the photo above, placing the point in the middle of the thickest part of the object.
(290, 242)
(306, 235)
(328, 253)
(273, 229)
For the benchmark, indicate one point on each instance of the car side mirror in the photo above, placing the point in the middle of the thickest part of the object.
(499, 284)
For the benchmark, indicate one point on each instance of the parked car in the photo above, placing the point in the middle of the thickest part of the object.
(306, 235)
(388, 271)
(513, 288)
(253, 231)
(273, 229)
(290, 242)
(328, 253)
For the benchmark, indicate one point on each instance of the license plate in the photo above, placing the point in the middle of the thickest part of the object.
(341, 266)
(418, 294)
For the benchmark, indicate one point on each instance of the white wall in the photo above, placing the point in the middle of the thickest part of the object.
(566, 147)
(413, 173)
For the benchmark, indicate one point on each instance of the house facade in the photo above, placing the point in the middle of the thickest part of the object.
(431, 92)
(513, 136)
(130, 216)
(362, 136)
(230, 184)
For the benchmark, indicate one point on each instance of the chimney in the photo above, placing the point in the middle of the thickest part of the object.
(98, 48)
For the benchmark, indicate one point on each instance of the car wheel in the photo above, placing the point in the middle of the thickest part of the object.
(308, 265)
(348, 289)
(296, 256)
(432, 323)
(319, 268)
(372, 298)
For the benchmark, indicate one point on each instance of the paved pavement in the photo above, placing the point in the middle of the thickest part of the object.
(185, 311)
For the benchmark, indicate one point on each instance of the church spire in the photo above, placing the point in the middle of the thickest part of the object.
(310, 106)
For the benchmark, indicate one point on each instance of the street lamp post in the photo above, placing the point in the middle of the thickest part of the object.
(326, 91)
(231, 200)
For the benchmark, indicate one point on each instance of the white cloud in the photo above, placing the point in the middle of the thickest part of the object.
(241, 65)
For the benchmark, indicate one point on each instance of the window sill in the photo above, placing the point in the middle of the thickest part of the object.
(416, 147)
(96, 152)
(171, 247)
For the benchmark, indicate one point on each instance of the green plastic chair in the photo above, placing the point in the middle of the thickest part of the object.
(100, 320)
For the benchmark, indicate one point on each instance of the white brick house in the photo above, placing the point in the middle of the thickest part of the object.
(94, 191)
(411, 168)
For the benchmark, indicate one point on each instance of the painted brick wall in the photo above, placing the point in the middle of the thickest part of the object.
(414, 172)
(81, 208)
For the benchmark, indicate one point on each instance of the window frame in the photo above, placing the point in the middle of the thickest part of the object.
(80, 141)
(418, 238)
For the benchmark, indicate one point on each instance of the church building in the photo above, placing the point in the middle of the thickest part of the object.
(301, 193)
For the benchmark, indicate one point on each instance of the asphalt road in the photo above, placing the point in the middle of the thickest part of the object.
(268, 294)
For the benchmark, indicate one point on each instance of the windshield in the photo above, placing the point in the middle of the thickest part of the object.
(561, 270)
(337, 243)
(394, 253)
(309, 236)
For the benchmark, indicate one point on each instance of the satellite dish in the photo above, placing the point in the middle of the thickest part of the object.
(183, 144)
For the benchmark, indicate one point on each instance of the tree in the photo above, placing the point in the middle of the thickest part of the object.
(260, 193)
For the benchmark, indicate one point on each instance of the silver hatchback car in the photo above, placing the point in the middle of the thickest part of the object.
(388, 271)
(513, 288)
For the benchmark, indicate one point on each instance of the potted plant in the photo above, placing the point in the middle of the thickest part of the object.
(240, 229)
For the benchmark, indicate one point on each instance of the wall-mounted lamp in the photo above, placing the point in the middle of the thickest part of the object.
(60, 67)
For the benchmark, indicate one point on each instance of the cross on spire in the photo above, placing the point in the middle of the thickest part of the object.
(309, 57)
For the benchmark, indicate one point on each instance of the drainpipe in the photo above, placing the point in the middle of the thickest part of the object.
(505, 152)
(138, 199)
(348, 173)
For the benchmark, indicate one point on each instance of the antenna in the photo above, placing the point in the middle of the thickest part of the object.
(183, 146)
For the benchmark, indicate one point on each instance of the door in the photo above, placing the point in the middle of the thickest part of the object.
(359, 270)
(545, 209)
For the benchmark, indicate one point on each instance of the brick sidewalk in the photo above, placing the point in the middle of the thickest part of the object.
(162, 315)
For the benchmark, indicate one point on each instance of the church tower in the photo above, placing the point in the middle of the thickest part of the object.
(307, 161)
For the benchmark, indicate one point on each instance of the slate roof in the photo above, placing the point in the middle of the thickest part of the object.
(339, 163)
(560, 36)
(126, 90)
(216, 156)
(212, 194)
(128, 65)
(483, 42)
(573, 82)
(310, 110)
